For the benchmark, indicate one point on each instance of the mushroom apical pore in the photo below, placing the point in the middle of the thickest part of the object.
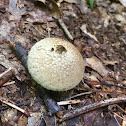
(55, 64)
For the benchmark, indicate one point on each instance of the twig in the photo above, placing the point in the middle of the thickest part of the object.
(20, 104)
(101, 83)
(120, 108)
(68, 102)
(38, 31)
(117, 121)
(48, 29)
(115, 114)
(5, 76)
(14, 106)
(90, 92)
(8, 83)
(63, 26)
(92, 107)
(85, 93)
(2, 68)
(5, 72)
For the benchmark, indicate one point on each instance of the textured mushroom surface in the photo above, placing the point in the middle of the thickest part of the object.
(55, 64)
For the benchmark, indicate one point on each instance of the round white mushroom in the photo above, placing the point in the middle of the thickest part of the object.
(55, 64)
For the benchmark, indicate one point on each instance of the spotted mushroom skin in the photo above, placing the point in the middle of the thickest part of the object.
(55, 64)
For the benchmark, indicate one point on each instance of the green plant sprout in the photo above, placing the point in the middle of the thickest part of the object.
(91, 2)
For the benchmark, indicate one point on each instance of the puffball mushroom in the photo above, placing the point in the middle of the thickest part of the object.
(55, 64)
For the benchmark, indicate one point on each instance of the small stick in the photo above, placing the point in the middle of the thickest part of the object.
(2, 68)
(16, 107)
(68, 102)
(115, 114)
(8, 83)
(120, 108)
(63, 26)
(101, 83)
(91, 92)
(38, 31)
(92, 107)
(48, 29)
(116, 120)
(20, 104)
(85, 93)
(5, 72)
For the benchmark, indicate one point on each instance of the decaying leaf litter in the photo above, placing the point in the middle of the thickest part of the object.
(99, 35)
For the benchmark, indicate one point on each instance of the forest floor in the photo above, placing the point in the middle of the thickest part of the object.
(100, 36)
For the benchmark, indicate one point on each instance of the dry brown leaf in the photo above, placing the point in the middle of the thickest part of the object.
(71, 1)
(84, 29)
(82, 5)
(54, 10)
(123, 2)
(14, 65)
(97, 65)
(16, 10)
(22, 121)
(104, 16)
(43, 1)
(110, 62)
(35, 119)
(90, 77)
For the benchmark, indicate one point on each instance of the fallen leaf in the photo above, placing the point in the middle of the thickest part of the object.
(91, 77)
(84, 29)
(123, 2)
(97, 65)
(83, 6)
(54, 10)
(5, 29)
(15, 10)
(110, 62)
(35, 119)
(43, 1)
(120, 18)
(14, 65)
(71, 1)
(22, 121)
(104, 16)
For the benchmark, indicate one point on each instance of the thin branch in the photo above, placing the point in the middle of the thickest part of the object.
(68, 102)
(8, 83)
(85, 93)
(101, 83)
(5, 72)
(64, 27)
(116, 120)
(21, 104)
(14, 106)
(92, 107)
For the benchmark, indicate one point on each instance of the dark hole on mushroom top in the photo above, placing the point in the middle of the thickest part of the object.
(52, 49)
(60, 49)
